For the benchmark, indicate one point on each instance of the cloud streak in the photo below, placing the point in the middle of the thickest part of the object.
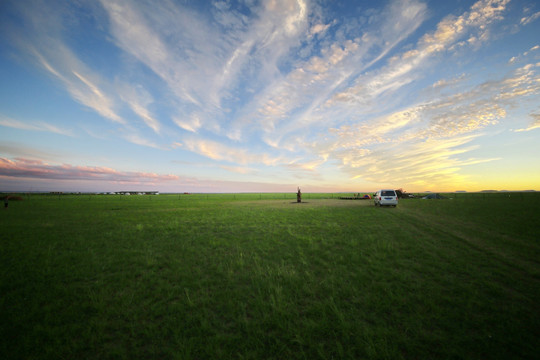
(218, 151)
(50, 50)
(446, 124)
(292, 103)
(37, 169)
(534, 125)
(33, 126)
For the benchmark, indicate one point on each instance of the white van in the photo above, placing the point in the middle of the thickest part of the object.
(385, 198)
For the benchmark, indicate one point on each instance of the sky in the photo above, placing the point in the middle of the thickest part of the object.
(268, 96)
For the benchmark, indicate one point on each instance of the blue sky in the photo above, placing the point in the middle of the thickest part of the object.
(230, 96)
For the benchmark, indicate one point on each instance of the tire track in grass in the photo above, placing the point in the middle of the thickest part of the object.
(475, 236)
(497, 287)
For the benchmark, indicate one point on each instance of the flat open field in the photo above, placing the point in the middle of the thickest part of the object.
(257, 276)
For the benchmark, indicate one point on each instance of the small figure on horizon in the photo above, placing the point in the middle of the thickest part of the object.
(299, 195)
(6, 202)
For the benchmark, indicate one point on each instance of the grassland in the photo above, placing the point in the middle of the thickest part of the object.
(257, 276)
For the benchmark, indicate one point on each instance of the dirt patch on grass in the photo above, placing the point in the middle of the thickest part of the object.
(11, 198)
(304, 204)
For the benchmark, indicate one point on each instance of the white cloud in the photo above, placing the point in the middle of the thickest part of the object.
(238, 169)
(139, 37)
(444, 83)
(42, 40)
(30, 168)
(407, 67)
(218, 151)
(309, 165)
(192, 124)
(200, 63)
(534, 125)
(278, 83)
(367, 148)
(423, 163)
(82, 84)
(33, 126)
(530, 18)
(138, 99)
(135, 138)
(319, 29)
(373, 147)
(290, 104)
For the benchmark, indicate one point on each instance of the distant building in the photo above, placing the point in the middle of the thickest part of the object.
(138, 193)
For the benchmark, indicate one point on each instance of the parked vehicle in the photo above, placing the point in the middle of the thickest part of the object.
(385, 198)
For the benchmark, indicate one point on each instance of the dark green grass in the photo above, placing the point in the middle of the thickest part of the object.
(252, 276)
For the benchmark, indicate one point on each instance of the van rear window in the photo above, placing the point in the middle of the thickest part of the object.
(388, 193)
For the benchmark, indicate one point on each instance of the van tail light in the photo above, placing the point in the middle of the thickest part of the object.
(380, 198)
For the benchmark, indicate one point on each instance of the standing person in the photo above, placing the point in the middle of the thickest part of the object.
(299, 195)
(6, 203)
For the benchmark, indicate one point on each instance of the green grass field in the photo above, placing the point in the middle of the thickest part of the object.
(257, 276)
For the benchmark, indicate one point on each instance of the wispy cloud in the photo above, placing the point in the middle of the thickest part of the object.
(238, 169)
(291, 103)
(33, 126)
(80, 82)
(138, 99)
(434, 163)
(530, 18)
(218, 151)
(13, 149)
(451, 33)
(204, 62)
(26, 168)
(16, 174)
(534, 125)
(46, 41)
(365, 149)
(282, 86)
(135, 138)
